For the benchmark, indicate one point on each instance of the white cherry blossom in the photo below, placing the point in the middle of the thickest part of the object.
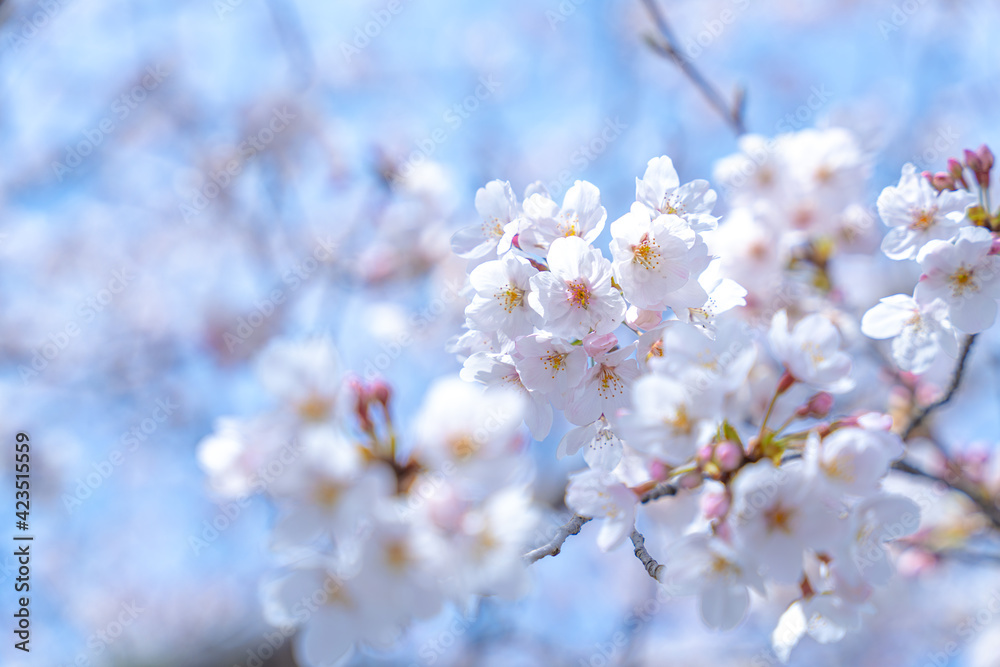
(599, 495)
(916, 214)
(919, 331)
(811, 352)
(651, 256)
(576, 295)
(965, 275)
(500, 212)
(707, 566)
(660, 191)
(581, 215)
(501, 304)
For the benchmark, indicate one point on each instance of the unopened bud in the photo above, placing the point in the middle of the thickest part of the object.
(728, 455)
(379, 390)
(942, 181)
(957, 172)
(715, 505)
(980, 162)
(642, 319)
(596, 345)
(817, 406)
(785, 383)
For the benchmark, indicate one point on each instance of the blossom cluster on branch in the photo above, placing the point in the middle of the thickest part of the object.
(717, 365)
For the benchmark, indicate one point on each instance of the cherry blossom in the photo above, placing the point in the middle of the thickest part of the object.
(965, 275)
(576, 295)
(917, 214)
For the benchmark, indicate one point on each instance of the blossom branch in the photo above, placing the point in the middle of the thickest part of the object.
(960, 484)
(661, 490)
(571, 527)
(653, 568)
(956, 380)
(732, 114)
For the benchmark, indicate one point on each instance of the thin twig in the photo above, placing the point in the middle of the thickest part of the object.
(733, 114)
(571, 527)
(956, 380)
(967, 556)
(653, 568)
(659, 491)
(960, 484)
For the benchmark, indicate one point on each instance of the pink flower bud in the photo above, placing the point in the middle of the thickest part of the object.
(705, 453)
(972, 161)
(715, 505)
(728, 455)
(596, 345)
(942, 181)
(995, 248)
(785, 383)
(642, 319)
(957, 172)
(985, 156)
(380, 391)
(818, 406)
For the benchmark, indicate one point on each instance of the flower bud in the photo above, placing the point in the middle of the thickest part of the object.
(785, 383)
(596, 345)
(379, 390)
(818, 406)
(715, 505)
(942, 181)
(642, 319)
(957, 172)
(728, 455)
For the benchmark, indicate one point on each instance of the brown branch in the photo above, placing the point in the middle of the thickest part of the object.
(571, 527)
(653, 568)
(733, 114)
(958, 483)
(659, 491)
(956, 380)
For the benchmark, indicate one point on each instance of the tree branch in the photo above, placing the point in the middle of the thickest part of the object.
(571, 527)
(659, 491)
(960, 484)
(732, 114)
(956, 380)
(653, 568)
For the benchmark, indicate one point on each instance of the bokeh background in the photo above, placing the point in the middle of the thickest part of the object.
(138, 277)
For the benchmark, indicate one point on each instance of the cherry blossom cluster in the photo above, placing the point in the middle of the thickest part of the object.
(655, 355)
(943, 223)
(370, 537)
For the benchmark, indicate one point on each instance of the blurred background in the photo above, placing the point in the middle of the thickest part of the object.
(181, 182)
